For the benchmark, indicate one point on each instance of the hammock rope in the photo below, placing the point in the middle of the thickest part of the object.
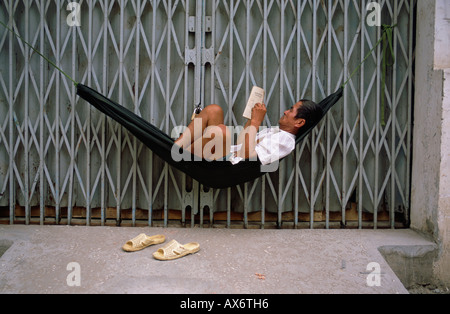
(387, 34)
(39, 53)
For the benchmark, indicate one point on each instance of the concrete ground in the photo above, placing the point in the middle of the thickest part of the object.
(230, 261)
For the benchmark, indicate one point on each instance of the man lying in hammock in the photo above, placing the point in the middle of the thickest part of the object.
(209, 138)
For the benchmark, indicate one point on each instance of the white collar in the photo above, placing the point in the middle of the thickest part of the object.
(289, 134)
(276, 129)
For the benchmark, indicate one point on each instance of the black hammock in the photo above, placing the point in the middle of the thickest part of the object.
(213, 174)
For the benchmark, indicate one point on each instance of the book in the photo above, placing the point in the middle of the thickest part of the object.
(256, 96)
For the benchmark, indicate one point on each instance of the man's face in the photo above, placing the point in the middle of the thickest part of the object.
(289, 120)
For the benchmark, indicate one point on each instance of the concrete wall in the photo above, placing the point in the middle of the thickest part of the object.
(427, 128)
(443, 264)
(430, 195)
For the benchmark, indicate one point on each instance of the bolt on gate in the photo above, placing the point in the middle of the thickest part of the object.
(63, 162)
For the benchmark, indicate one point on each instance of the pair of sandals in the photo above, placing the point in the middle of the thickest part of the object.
(172, 250)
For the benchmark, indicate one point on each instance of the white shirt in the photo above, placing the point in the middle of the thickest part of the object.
(272, 144)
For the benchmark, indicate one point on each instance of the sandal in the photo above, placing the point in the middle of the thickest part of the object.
(142, 241)
(174, 250)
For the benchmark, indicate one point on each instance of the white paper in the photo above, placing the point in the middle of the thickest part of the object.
(256, 96)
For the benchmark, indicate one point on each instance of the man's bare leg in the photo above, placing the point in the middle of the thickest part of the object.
(211, 115)
(207, 130)
(215, 142)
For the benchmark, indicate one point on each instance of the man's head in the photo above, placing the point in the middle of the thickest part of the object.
(303, 114)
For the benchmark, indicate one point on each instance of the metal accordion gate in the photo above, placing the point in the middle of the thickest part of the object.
(62, 162)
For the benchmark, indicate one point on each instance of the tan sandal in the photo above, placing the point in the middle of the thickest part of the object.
(174, 250)
(142, 241)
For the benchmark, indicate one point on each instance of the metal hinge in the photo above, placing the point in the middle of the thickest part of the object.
(193, 22)
(207, 54)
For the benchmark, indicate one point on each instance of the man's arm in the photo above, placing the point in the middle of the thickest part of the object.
(249, 122)
(248, 136)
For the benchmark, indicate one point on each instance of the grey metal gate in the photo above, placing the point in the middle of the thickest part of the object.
(159, 58)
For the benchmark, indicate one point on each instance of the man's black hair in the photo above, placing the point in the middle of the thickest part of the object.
(310, 111)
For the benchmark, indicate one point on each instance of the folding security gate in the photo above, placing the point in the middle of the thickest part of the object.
(61, 160)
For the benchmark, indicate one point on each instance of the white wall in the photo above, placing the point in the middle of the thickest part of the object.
(442, 31)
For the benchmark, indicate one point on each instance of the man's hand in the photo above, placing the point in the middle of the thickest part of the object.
(258, 113)
(248, 135)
